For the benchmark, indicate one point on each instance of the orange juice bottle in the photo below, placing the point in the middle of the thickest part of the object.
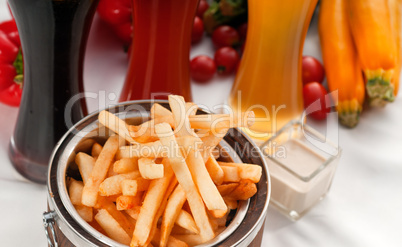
(269, 77)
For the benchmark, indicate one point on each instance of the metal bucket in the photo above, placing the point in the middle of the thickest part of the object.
(63, 225)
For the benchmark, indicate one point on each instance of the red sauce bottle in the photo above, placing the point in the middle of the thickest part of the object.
(159, 60)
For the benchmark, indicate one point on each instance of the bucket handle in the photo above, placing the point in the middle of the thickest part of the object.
(48, 224)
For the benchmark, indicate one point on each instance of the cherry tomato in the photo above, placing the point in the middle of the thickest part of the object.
(202, 7)
(118, 15)
(242, 29)
(198, 30)
(124, 32)
(312, 70)
(312, 92)
(226, 60)
(202, 68)
(225, 36)
(114, 12)
(12, 95)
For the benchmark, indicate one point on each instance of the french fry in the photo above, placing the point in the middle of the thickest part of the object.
(190, 239)
(145, 138)
(146, 131)
(184, 177)
(178, 230)
(112, 198)
(85, 212)
(111, 172)
(163, 204)
(96, 149)
(112, 185)
(159, 111)
(180, 115)
(112, 227)
(127, 202)
(130, 187)
(209, 193)
(232, 203)
(151, 123)
(220, 222)
(246, 171)
(85, 165)
(149, 169)
(194, 239)
(231, 174)
(85, 145)
(194, 160)
(125, 165)
(99, 171)
(191, 108)
(204, 121)
(214, 170)
(222, 121)
(97, 227)
(129, 218)
(226, 189)
(215, 153)
(214, 223)
(75, 191)
(210, 142)
(186, 221)
(133, 212)
(149, 208)
(218, 213)
(172, 241)
(115, 124)
(202, 132)
(104, 203)
(244, 191)
(173, 208)
(149, 150)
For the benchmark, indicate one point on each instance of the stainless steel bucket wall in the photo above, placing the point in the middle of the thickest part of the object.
(72, 230)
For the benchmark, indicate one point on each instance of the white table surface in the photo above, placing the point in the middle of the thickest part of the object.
(363, 207)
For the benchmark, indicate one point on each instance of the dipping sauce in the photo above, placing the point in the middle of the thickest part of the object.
(301, 174)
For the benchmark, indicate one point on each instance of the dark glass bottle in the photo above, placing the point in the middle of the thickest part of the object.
(53, 36)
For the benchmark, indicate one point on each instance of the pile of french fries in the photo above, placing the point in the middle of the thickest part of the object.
(159, 183)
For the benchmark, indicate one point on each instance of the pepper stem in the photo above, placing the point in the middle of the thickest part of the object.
(19, 68)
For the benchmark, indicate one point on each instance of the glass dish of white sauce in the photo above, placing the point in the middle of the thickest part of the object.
(302, 163)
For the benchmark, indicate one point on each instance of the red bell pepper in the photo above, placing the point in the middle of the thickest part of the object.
(118, 14)
(10, 29)
(11, 65)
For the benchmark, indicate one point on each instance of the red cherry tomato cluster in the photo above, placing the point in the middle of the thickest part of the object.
(11, 67)
(202, 7)
(198, 30)
(312, 71)
(118, 14)
(312, 76)
(198, 25)
(226, 39)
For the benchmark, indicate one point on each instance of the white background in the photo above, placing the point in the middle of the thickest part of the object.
(363, 208)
